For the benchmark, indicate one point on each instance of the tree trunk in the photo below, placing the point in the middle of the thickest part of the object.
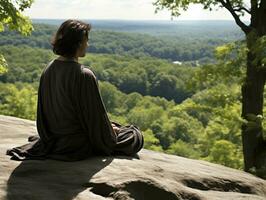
(252, 103)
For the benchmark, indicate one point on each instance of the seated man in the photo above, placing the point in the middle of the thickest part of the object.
(72, 121)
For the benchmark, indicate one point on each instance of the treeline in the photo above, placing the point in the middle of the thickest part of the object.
(131, 44)
(188, 30)
(146, 75)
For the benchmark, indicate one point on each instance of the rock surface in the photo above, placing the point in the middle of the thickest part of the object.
(154, 176)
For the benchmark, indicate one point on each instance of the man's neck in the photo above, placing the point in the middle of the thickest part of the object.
(68, 58)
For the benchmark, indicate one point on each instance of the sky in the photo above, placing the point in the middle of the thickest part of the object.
(116, 9)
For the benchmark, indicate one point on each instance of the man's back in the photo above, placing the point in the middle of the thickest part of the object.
(58, 92)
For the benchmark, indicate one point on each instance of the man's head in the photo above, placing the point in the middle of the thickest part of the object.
(71, 39)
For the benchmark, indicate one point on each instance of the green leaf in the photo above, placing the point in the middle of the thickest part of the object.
(3, 65)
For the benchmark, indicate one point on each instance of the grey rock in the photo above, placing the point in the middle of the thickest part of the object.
(152, 176)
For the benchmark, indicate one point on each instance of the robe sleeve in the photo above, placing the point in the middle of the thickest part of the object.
(93, 115)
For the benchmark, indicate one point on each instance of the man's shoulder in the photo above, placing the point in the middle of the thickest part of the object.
(87, 72)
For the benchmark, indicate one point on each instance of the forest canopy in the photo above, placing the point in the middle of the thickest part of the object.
(196, 115)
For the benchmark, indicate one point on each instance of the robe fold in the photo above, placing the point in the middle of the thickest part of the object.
(72, 121)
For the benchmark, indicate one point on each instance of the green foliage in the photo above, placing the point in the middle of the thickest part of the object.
(24, 65)
(225, 124)
(176, 6)
(146, 75)
(206, 120)
(184, 149)
(255, 40)
(181, 125)
(152, 114)
(151, 142)
(3, 65)
(19, 101)
(184, 46)
(12, 18)
(111, 96)
(168, 86)
(229, 69)
(226, 153)
(126, 73)
(223, 52)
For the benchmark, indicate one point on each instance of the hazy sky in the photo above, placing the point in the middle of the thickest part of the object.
(115, 9)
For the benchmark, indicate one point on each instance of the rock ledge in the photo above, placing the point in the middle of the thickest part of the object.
(154, 176)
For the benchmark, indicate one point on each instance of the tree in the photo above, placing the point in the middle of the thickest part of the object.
(110, 95)
(19, 102)
(12, 18)
(253, 85)
(226, 153)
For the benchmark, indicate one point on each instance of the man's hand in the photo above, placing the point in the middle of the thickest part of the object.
(116, 129)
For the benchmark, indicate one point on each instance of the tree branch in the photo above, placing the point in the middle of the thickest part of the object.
(229, 7)
(242, 8)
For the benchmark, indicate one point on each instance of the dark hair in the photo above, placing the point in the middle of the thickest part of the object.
(69, 36)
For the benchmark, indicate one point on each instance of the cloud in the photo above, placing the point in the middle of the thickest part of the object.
(114, 9)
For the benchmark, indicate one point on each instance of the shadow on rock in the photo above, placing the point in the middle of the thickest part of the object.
(51, 179)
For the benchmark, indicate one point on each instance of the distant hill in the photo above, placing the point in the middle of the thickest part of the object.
(209, 29)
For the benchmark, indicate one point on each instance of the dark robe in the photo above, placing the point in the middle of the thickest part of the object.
(72, 121)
